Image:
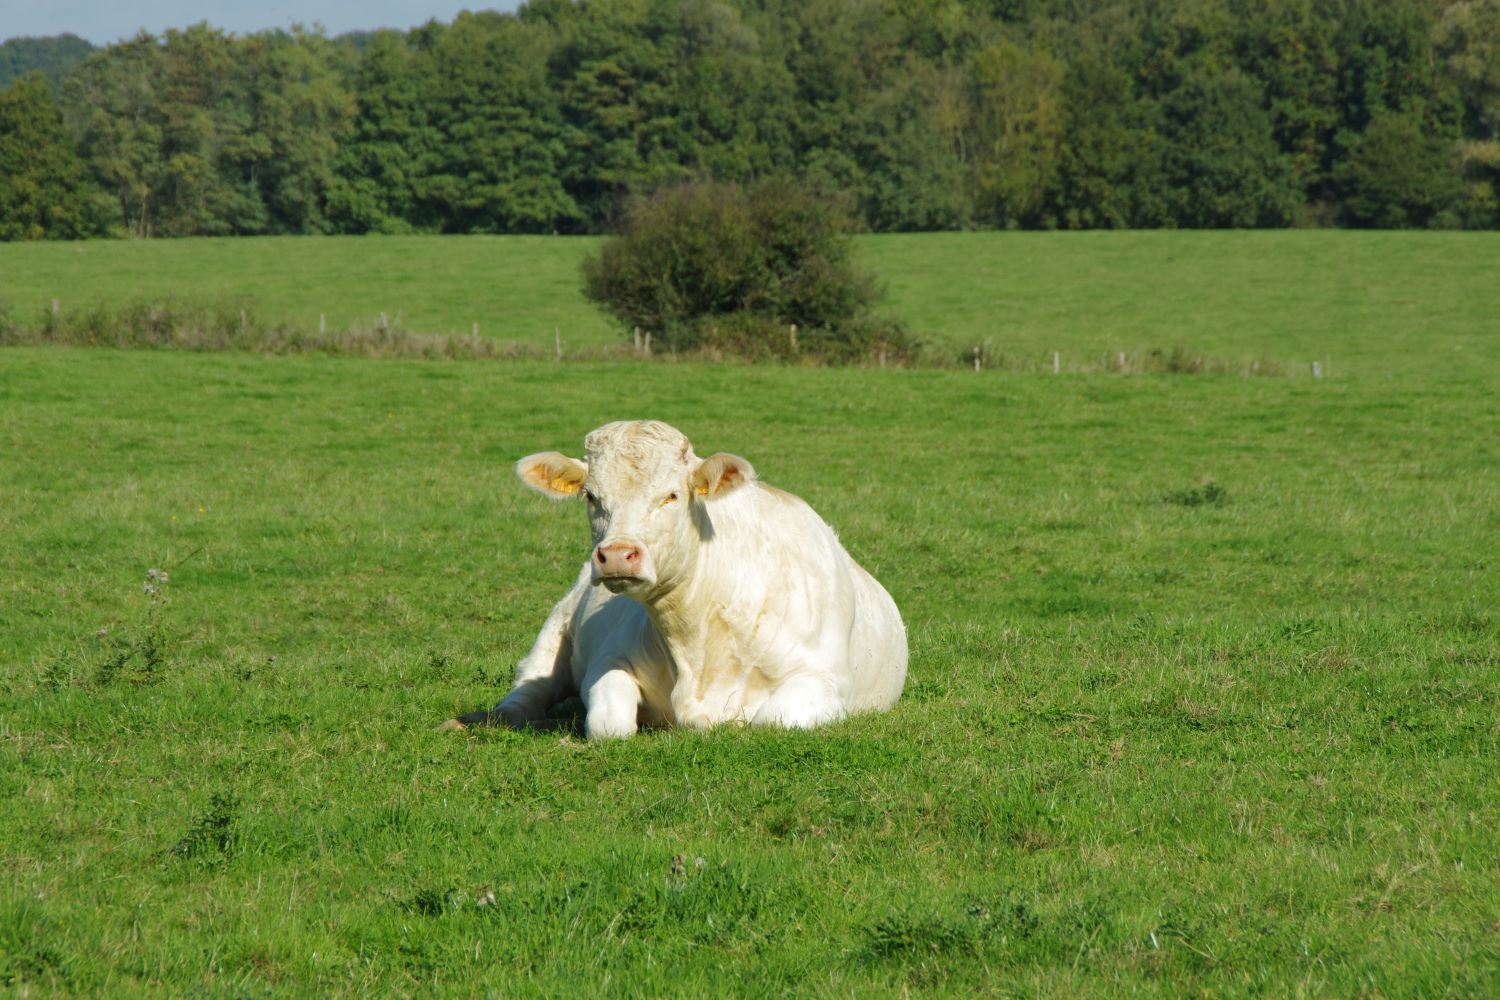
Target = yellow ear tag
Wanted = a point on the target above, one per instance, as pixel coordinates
(701, 489)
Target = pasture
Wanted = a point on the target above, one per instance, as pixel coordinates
(1371, 303)
(1203, 693)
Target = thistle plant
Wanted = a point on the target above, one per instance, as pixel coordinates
(143, 653)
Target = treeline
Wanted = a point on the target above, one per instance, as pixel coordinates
(924, 114)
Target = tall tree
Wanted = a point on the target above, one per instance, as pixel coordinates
(54, 57)
(1221, 163)
(44, 193)
(1466, 38)
(613, 67)
(390, 141)
(297, 112)
(1397, 175)
(1110, 167)
(733, 99)
(1017, 131)
(1289, 47)
(113, 104)
(498, 160)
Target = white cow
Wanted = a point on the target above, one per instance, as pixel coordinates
(708, 597)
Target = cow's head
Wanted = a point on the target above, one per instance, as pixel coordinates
(646, 492)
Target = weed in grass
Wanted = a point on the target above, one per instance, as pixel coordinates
(904, 935)
(135, 654)
(213, 836)
(430, 901)
(1209, 494)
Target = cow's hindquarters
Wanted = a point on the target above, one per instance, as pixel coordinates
(877, 648)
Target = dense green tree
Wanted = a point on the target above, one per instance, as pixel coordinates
(44, 192)
(114, 103)
(734, 105)
(1466, 40)
(54, 57)
(1289, 47)
(1016, 131)
(208, 145)
(390, 143)
(1110, 169)
(203, 133)
(1397, 175)
(497, 160)
(907, 174)
(613, 69)
(1220, 162)
(298, 111)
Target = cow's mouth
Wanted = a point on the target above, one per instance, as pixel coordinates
(620, 584)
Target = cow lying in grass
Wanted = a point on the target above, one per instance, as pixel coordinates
(709, 597)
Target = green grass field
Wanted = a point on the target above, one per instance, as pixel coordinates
(1369, 302)
(1204, 697)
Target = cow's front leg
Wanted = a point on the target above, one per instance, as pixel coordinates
(613, 703)
(800, 702)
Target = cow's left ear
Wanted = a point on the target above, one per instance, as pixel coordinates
(719, 475)
(552, 474)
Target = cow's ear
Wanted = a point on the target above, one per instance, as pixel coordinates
(719, 475)
(552, 474)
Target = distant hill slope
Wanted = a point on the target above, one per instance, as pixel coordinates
(55, 56)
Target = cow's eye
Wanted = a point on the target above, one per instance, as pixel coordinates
(670, 498)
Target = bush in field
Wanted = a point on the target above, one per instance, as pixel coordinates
(712, 266)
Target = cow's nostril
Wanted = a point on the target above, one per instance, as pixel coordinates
(599, 555)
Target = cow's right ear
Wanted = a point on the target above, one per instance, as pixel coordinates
(552, 474)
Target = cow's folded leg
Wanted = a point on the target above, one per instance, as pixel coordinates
(613, 700)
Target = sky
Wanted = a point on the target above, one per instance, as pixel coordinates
(105, 21)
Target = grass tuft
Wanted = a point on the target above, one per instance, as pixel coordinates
(1210, 494)
(213, 835)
